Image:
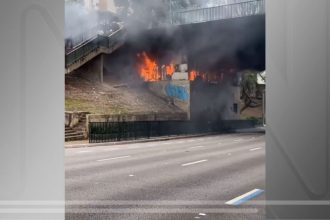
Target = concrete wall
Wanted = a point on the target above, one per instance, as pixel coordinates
(214, 101)
(175, 91)
(200, 100)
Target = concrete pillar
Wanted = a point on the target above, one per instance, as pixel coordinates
(101, 68)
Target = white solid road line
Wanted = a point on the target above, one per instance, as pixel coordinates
(114, 158)
(193, 163)
(245, 197)
(255, 149)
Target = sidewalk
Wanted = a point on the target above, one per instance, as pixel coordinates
(85, 143)
(260, 129)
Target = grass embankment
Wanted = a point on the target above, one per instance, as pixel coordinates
(75, 104)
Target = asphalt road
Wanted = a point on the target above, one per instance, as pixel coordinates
(167, 180)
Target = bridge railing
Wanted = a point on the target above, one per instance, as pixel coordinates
(234, 10)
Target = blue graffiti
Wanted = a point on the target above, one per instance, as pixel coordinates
(178, 92)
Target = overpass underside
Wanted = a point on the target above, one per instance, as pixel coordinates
(237, 43)
(218, 49)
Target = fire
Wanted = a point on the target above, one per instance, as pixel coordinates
(170, 69)
(150, 71)
(206, 77)
(192, 75)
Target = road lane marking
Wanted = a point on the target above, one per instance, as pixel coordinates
(114, 158)
(193, 163)
(255, 149)
(112, 149)
(197, 147)
(84, 151)
(238, 140)
(245, 197)
(134, 147)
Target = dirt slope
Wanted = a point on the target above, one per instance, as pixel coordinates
(112, 98)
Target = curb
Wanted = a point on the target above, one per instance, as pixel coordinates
(87, 145)
(137, 141)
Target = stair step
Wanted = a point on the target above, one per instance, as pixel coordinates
(75, 138)
(73, 133)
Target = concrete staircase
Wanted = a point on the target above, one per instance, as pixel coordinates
(73, 134)
(88, 50)
(78, 131)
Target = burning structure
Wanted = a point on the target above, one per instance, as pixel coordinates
(201, 95)
(195, 67)
(197, 70)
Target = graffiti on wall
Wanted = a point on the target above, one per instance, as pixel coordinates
(178, 92)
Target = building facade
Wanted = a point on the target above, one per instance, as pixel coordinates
(100, 5)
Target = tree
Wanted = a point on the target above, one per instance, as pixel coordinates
(249, 86)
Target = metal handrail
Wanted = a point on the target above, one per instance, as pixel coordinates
(223, 5)
(233, 10)
(95, 43)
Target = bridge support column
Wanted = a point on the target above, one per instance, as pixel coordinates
(101, 68)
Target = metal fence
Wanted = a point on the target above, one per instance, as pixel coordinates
(235, 10)
(100, 132)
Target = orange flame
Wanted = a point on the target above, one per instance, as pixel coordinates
(170, 69)
(148, 69)
(192, 75)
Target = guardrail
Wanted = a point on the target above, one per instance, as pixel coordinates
(235, 10)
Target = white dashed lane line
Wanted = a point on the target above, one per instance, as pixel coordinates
(255, 149)
(196, 147)
(238, 140)
(114, 158)
(111, 149)
(84, 152)
(193, 163)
